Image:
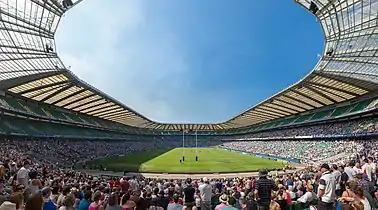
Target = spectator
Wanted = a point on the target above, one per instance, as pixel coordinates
(231, 204)
(113, 203)
(97, 203)
(357, 194)
(308, 197)
(189, 192)
(68, 203)
(263, 191)
(327, 188)
(34, 202)
(366, 169)
(86, 202)
(350, 171)
(65, 191)
(223, 199)
(155, 205)
(206, 192)
(337, 174)
(48, 204)
(175, 205)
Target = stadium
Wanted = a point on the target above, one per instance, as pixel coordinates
(57, 120)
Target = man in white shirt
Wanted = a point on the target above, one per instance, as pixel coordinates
(206, 192)
(350, 171)
(366, 169)
(23, 179)
(134, 184)
(23, 175)
(326, 189)
(357, 168)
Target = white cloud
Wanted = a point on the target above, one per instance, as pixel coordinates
(109, 46)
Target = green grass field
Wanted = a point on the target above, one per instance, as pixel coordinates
(211, 160)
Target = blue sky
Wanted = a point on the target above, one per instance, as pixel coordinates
(189, 61)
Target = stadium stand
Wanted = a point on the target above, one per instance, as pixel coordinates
(50, 120)
(12, 105)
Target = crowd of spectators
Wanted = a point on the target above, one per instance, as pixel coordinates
(338, 128)
(31, 178)
(34, 175)
(67, 152)
(334, 151)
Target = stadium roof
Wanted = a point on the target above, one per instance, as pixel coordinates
(30, 66)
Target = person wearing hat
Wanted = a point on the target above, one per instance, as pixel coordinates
(223, 199)
(231, 204)
(263, 190)
(326, 189)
